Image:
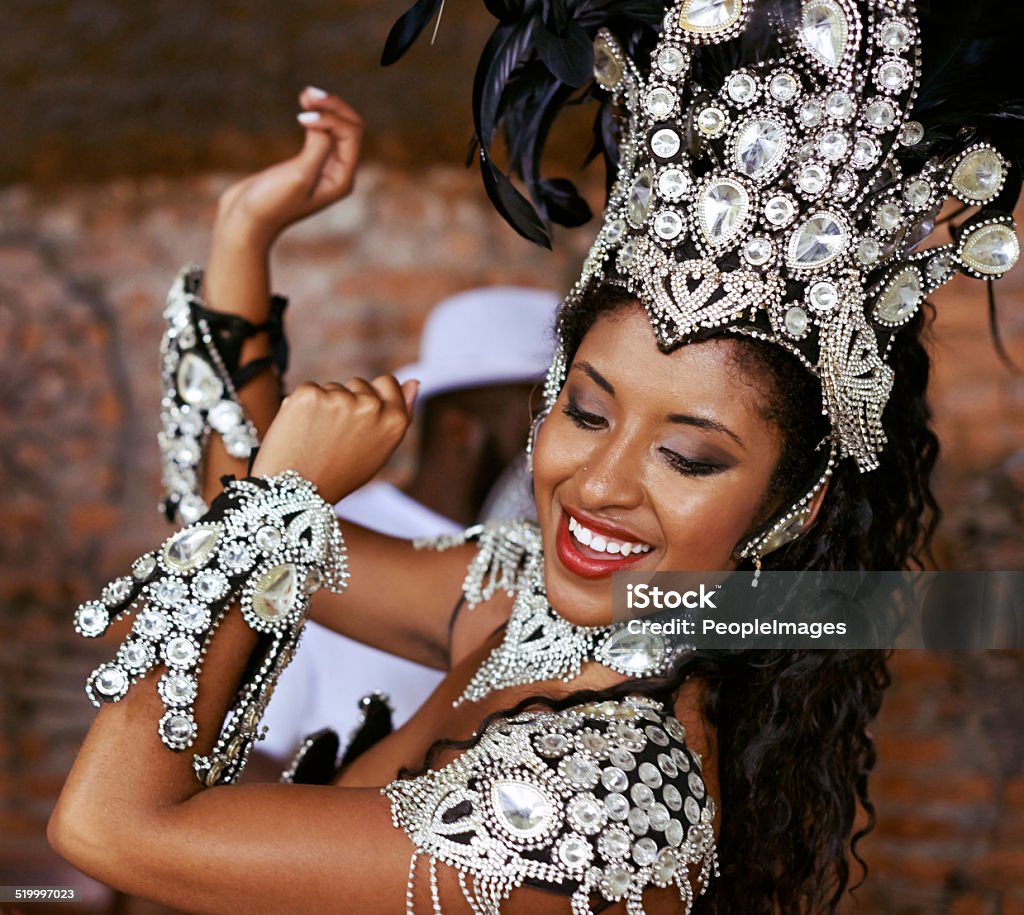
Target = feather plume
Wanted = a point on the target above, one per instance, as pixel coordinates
(539, 59)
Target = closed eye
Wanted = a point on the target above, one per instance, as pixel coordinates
(582, 419)
(689, 467)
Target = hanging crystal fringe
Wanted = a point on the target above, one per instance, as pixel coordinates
(503, 549)
(267, 544)
(198, 396)
(539, 644)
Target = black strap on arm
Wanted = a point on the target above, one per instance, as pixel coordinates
(231, 331)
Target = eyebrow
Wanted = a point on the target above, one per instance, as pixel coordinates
(702, 422)
(683, 419)
(596, 376)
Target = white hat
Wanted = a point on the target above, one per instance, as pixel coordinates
(496, 335)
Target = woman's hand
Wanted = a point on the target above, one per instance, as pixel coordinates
(338, 435)
(258, 208)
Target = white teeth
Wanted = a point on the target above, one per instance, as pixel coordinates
(605, 544)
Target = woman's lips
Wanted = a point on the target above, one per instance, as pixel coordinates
(585, 562)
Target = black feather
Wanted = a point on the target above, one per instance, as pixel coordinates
(562, 202)
(971, 87)
(539, 59)
(506, 10)
(404, 32)
(512, 205)
(568, 56)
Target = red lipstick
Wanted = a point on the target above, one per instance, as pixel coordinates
(586, 566)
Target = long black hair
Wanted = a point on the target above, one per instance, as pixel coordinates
(792, 726)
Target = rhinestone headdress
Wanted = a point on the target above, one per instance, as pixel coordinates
(776, 205)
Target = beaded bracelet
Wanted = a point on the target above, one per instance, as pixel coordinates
(266, 544)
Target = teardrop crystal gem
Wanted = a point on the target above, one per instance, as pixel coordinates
(708, 17)
(639, 203)
(607, 69)
(824, 31)
(900, 298)
(525, 809)
(796, 321)
(634, 652)
(197, 382)
(760, 144)
(191, 548)
(723, 210)
(979, 176)
(818, 241)
(275, 593)
(991, 250)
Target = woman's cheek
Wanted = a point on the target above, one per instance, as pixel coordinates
(703, 523)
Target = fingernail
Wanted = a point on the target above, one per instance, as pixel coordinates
(316, 92)
(308, 117)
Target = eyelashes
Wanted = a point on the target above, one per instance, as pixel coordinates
(592, 422)
(581, 418)
(689, 467)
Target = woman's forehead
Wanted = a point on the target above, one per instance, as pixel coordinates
(621, 346)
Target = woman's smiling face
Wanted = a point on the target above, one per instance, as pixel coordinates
(648, 461)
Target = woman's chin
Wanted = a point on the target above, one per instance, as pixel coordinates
(582, 603)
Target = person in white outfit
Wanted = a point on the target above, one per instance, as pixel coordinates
(482, 353)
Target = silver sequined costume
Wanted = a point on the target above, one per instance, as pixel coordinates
(597, 801)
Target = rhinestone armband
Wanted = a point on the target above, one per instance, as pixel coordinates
(200, 393)
(266, 544)
(599, 800)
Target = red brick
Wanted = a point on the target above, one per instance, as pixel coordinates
(913, 751)
(1000, 870)
(972, 905)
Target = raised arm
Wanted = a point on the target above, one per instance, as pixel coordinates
(251, 215)
(402, 600)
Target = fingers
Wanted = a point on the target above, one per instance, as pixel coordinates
(410, 391)
(334, 135)
(313, 99)
(384, 389)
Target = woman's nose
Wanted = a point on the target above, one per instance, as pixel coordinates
(610, 476)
